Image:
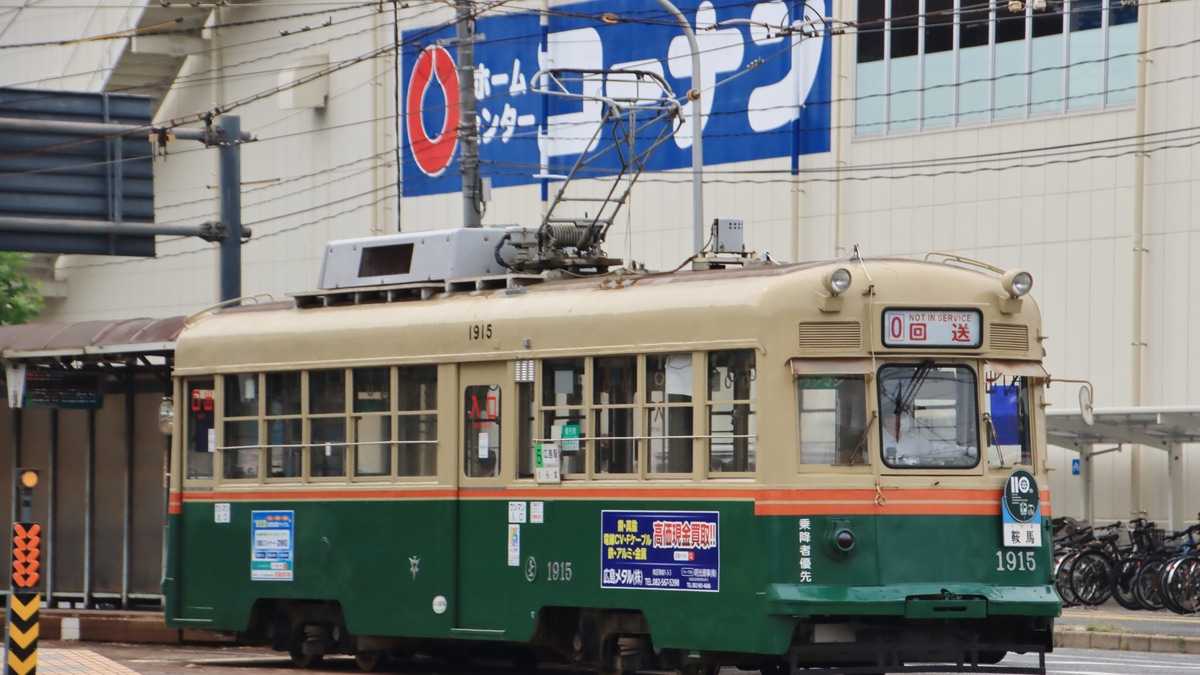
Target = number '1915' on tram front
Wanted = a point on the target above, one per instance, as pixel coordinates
(818, 465)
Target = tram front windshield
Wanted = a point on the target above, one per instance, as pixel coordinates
(928, 415)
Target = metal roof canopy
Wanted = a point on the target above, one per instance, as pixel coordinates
(1166, 428)
(84, 339)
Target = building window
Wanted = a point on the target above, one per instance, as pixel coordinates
(929, 64)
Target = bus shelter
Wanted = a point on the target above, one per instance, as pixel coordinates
(1167, 428)
(84, 401)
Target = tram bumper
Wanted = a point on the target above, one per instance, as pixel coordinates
(961, 627)
(913, 601)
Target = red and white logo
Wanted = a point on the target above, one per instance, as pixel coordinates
(432, 152)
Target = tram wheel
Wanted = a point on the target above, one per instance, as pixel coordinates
(698, 668)
(302, 660)
(368, 661)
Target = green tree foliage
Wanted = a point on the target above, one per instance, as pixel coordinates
(20, 298)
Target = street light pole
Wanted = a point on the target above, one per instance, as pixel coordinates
(693, 95)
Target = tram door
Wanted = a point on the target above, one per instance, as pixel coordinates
(485, 462)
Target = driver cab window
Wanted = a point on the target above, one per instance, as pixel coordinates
(1006, 421)
(928, 415)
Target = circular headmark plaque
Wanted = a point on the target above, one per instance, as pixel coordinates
(1021, 498)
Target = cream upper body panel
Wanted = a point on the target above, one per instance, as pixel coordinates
(762, 307)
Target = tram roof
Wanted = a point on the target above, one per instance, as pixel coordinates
(97, 339)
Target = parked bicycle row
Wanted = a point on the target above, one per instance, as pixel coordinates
(1139, 565)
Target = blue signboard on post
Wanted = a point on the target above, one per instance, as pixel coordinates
(764, 88)
(660, 550)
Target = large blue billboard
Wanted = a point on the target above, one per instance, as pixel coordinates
(765, 92)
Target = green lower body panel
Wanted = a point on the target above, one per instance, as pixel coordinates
(691, 574)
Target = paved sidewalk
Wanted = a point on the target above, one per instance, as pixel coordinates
(78, 661)
(1075, 638)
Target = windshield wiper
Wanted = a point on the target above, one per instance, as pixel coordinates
(862, 439)
(993, 439)
(906, 393)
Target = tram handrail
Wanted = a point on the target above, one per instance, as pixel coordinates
(964, 260)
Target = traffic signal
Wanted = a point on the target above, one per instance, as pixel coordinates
(26, 535)
(27, 479)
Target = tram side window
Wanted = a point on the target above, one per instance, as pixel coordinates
(240, 445)
(669, 413)
(833, 419)
(200, 442)
(614, 391)
(1008, 438)
(417, 399)
(327, 423)
(731, 410)
(481, 436)
(285, 427)
(563, 418)
(371, 401)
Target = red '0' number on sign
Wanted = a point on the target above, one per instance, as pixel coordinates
(896, 328)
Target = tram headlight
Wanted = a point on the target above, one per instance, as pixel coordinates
(837, 280)
(1017, 282)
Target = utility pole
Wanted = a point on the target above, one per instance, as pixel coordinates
(693, 95)
(229, 138)
(468, 129)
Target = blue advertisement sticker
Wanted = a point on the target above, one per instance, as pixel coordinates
(660, 550)
(273, 545)
(764, 88)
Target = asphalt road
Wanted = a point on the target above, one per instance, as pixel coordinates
(128, 659)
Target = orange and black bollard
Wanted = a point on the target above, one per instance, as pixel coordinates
(24, 601)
